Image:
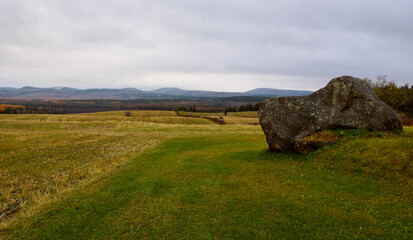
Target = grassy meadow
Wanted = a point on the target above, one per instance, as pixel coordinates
(155, 175)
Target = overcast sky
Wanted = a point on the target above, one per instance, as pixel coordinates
(224, 45)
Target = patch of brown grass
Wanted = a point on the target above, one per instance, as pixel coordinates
(324, 136)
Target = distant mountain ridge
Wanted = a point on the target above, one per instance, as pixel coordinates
(133, 93)
(276, 92)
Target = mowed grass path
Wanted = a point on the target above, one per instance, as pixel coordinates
(43, 155)
(220, 182)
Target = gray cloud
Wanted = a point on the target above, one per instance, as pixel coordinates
(217, 45)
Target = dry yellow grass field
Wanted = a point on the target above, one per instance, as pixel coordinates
(44, 155)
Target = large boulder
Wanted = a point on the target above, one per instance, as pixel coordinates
(346, 102)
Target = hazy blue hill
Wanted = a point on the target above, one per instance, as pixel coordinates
(28, 88)
(169, 91)
(64, 88)
(133, 93)
(131, 89)
(211, 94)
(107, 93)
(271, 92)
(6, 88)
(178, 92)
(194, 93)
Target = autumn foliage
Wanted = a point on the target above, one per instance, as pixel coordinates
(6, 108)
(398, 97)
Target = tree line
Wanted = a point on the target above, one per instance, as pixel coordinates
(400, 98)
(7, 108)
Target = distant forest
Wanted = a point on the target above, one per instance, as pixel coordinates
(61, 106)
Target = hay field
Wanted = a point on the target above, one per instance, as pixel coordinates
(154, 175)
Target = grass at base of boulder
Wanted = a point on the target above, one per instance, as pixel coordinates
(324, 136)
(343, 134)
(381, 155)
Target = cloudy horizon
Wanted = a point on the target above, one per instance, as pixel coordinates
(203, 45)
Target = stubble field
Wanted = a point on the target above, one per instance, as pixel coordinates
(154, 175)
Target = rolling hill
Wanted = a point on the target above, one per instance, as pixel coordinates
(133, 93)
